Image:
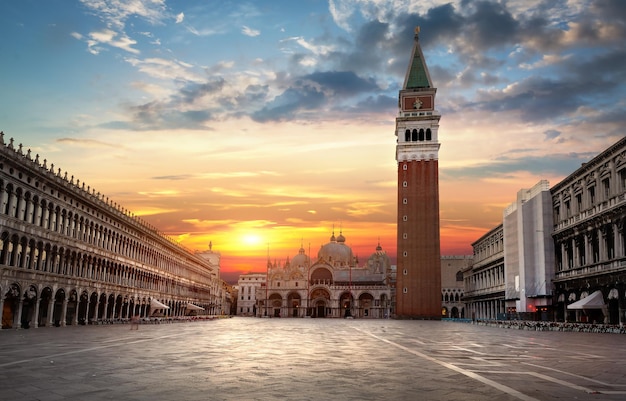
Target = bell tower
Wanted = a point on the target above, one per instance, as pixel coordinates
(418, 282)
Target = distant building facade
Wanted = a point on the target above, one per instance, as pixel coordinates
(557, 246)
(452, 285)
(248, 287)
(70, 256)
(332, 285)
(222, 289)
(484, 280)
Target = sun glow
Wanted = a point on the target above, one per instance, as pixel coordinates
(251, 239)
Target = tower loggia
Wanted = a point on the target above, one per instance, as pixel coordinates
(418, 286)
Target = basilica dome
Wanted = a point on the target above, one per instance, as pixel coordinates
(336, 252)
(379, 261)
(301, 259)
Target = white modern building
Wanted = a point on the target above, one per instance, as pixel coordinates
(529, 251)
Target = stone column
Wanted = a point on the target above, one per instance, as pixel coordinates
(106, 308)
(601, 245)
(1, 306)
(64, 312)
(29, 211)
(35, 322)
(4, 199)
(87, 309)
(51, 310)
(75, 320)
(588, 250)
(17, 319)
(617, 241)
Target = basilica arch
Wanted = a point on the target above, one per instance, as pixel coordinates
(294, 301)
(321, 276)
(275, 305)
(320, 303)
(366, 304)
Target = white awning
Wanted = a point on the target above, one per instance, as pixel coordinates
(193, 307)
(154, 304)
(593, 301)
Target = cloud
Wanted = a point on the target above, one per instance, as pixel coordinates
(552, 134)
(115, 12)
(194, 91)
(87, 143)
(250, 32)
(162, 116)
(181, 177)
(556, 164)
(289, 104)
(164, 192)
(342, 82)
(166, 69)
(316, 49)
(180, 17)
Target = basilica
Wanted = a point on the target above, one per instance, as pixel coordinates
(332, 285)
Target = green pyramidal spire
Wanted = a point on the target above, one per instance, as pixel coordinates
(417, 75)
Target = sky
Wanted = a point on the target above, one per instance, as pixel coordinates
(262, 126)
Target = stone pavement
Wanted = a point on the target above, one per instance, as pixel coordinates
(309, 359)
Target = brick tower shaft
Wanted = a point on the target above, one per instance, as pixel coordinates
(418, 284)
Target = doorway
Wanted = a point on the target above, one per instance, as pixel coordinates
(321, 310)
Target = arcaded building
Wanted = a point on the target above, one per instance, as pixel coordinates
(557, 246)
(484, 280)
(452, 285)
(332, 285)
(589, 212)
(69, 255)
(418, 287)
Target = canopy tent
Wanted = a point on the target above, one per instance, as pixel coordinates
(154, 304)
(593, 301)
(193, 307)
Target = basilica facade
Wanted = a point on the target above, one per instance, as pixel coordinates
(333, 284)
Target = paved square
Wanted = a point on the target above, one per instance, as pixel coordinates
(309, 359)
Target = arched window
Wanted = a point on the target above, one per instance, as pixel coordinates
(421, 134)
(429, 134)
(414, 136)
(407, 135)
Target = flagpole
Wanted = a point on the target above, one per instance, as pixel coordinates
(308, 284)
(267, 269)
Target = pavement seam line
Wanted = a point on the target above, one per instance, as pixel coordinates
(484, 380)
(78, 351)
